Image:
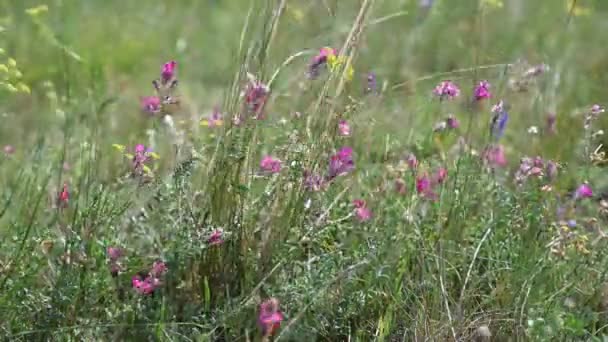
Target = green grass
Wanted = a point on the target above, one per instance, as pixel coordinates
(487, 253)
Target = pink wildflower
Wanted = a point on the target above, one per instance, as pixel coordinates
(270, 317)
(64, 196)
(446, 90)
(362, 212)
(344, 128)
(158, 269)
(114, 253)
(270, 164)
(495, 156)
(150, 104)
(423, 184)
(140, 158)
(412, 162)
(168, 71)
(8, 149)
(216, 238)
(215, 119)
(144, 285)
(482, 91)
(452, 122)
(583, 191)
(341, 163)
(313, 182)
(319, 60)
(256, 95)
(440, 176)
(400, 186)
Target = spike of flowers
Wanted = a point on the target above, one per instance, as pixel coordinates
(446, 90)
(141, 156)
(499, 120)
(270, 164)
(482, 91)
(164, 87)
(341, 163)
(270, 317)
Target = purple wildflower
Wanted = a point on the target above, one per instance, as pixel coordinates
(583, 191)
(256, 95)
(270, 164)
(499, 120)
(372, 84)
(482, 91)
(452, 122)
(446, 90)
(313, 182)
(341, 163)
(168, 71)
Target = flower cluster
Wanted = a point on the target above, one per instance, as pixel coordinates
(165, 87)
(446, 90)
(319, 61)
(256, 95)
(146, 283)
(535, 168)
(139, 159)
(426, 185)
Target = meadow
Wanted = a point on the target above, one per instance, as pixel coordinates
(303, 170)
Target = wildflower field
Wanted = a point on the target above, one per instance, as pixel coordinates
(303, 170)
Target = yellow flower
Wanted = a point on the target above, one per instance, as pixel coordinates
(35, 11)
(120, 148)
(22, 87)
(492, 3)
(336, 62)
(154, 155)
(577, 10)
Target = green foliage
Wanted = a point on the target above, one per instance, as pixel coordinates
(490, 248)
